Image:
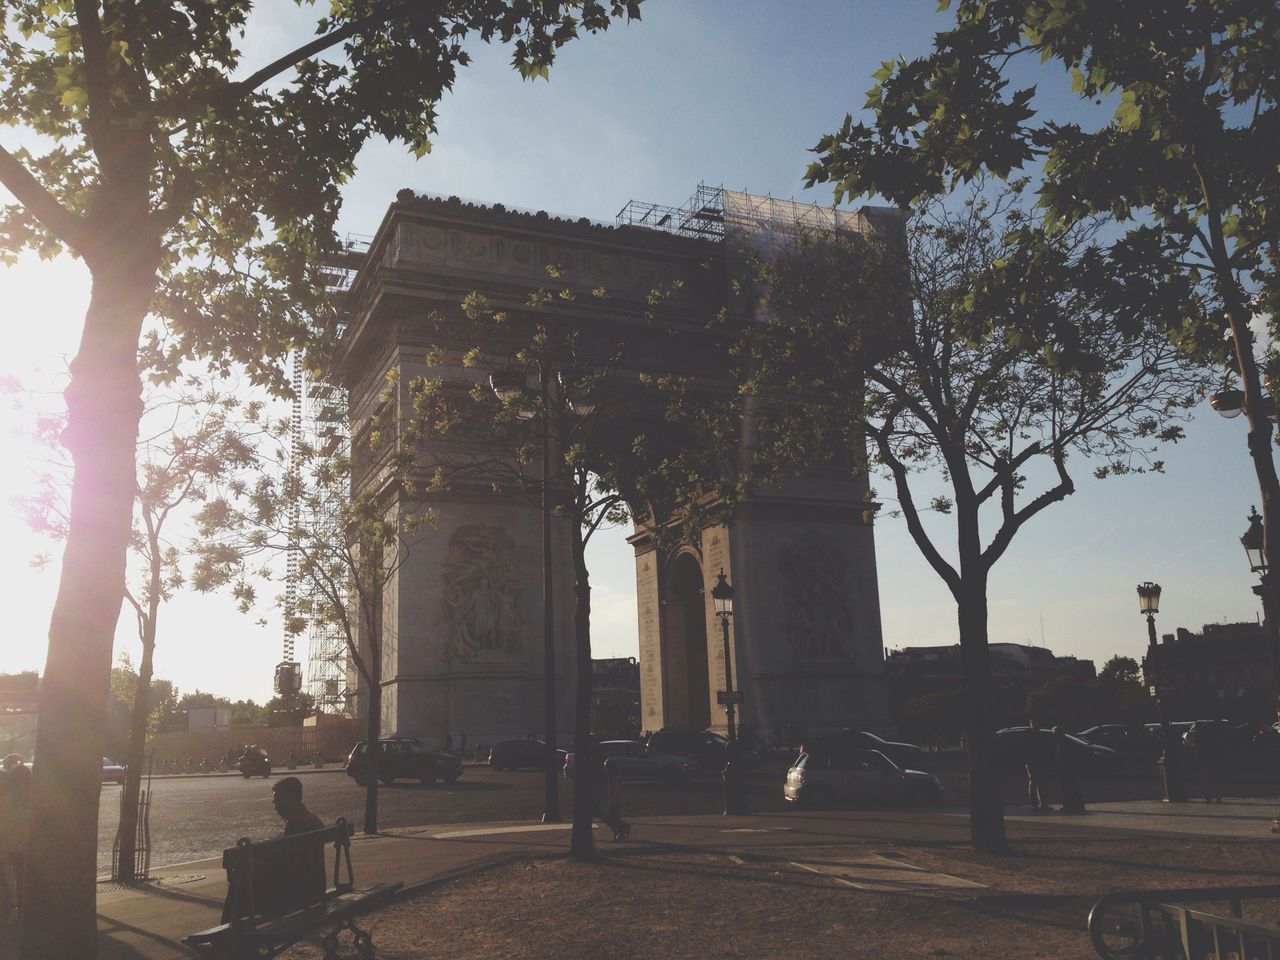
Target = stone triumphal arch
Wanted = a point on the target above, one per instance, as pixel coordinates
(463, 616)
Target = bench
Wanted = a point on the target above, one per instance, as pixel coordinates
(278, 893)
(1160, 924)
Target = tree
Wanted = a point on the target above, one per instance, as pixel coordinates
(289, 709)
(544, 442)
(348, 545)
(1185, 160)
(993, 352)
(197, 440)
(197, 188)
(247, 713)
(1121, 672)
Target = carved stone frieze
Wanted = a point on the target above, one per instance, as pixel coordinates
(819, 621)
(478, 585)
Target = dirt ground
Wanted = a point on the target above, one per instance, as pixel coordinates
(659, 904)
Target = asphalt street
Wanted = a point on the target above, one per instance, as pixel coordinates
(193, 818)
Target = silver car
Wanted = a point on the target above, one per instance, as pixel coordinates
(632, 760)
(820, 781)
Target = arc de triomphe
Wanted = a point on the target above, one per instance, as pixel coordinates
(462, 617)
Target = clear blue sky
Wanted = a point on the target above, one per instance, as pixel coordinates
(730, 92)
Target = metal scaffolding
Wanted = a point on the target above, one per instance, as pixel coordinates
(319, 428)
(714, 213)
(323, 425)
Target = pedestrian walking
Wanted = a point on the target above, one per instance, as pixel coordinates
(1035, 766)
(448, 741)
(1064, 761)
(462, 743)
(607, 796)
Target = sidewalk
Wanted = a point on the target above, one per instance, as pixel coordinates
(851, 850)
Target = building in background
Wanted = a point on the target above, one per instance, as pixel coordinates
(1222, 672)
(615, 697)
(216, 717)
(925, 686)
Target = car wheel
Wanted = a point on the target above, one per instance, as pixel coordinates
(362, 781)
(266, 773)
(245, 774)
(452, 778)
(818, 797)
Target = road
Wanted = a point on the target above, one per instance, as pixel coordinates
(196, 817)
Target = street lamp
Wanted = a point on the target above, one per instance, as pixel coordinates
(1170, 773)
(722, 594)
(1254, 542)
(509, 385)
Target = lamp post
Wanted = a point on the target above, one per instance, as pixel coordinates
(1264, 530)
(722, 594)
(1254, 543)
(509, 386)
(1170, 770)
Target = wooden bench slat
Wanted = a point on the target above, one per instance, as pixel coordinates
(274, 932)
(335, 909)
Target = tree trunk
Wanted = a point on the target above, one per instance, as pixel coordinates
(373, 734)
(137, 751)
(103, 408)
(582, 844)
(986, 805)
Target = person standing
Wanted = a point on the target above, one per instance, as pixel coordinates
(1035, 767)
(1206, 741)
(1064, 760)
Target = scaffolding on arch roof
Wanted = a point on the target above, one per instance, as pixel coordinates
(714, 213)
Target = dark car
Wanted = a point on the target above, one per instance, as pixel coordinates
(633, 760)
(848, 742)
(254, 762)
(1129, 739)
(514, 754)
(705, 748)
(402, 758)
(1016, 748)
(857, 776)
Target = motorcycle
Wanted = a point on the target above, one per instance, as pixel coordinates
(254, 763)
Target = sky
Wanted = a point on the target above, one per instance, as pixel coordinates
(726, 92)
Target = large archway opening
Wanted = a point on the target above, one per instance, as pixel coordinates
(688, 692)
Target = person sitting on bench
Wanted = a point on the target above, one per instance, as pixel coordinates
(282, 884)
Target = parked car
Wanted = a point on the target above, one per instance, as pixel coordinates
(633, 760)
(1235, 743)
(1014, 747)
(112, 772)
(1178, 728)
(1129, 739)
(514, 754)
(849, 743)
(820, 781)
(708, 750)
(254, 762)
(401, 758)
